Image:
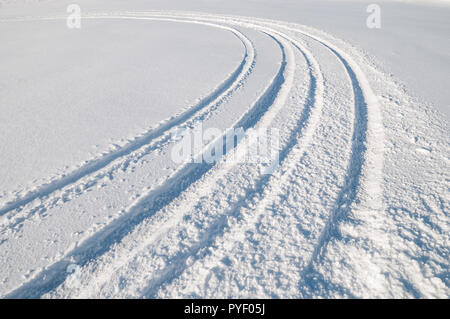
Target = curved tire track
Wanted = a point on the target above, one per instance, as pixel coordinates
(177, 264)
(362, 184)
(157, 198)
(212, 100)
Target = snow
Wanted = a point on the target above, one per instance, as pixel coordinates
(93, 205)
(54, 69)
(412, 43)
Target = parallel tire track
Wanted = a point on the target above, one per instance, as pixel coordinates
(160, 196)
(224, 91)
(362, 185)
(363, 181)
(305, 128)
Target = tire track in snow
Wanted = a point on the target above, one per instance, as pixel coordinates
(303, 132)
(176, 265)
(300, 140)
(121, 158)
(224, 91)
(362, 186)
(156, 198)
(362, 183)
(305, 127)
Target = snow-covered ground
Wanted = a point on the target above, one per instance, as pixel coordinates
(93, 204)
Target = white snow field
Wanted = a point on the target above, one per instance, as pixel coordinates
(93, 204)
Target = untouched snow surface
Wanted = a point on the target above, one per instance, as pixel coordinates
(92, 203)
